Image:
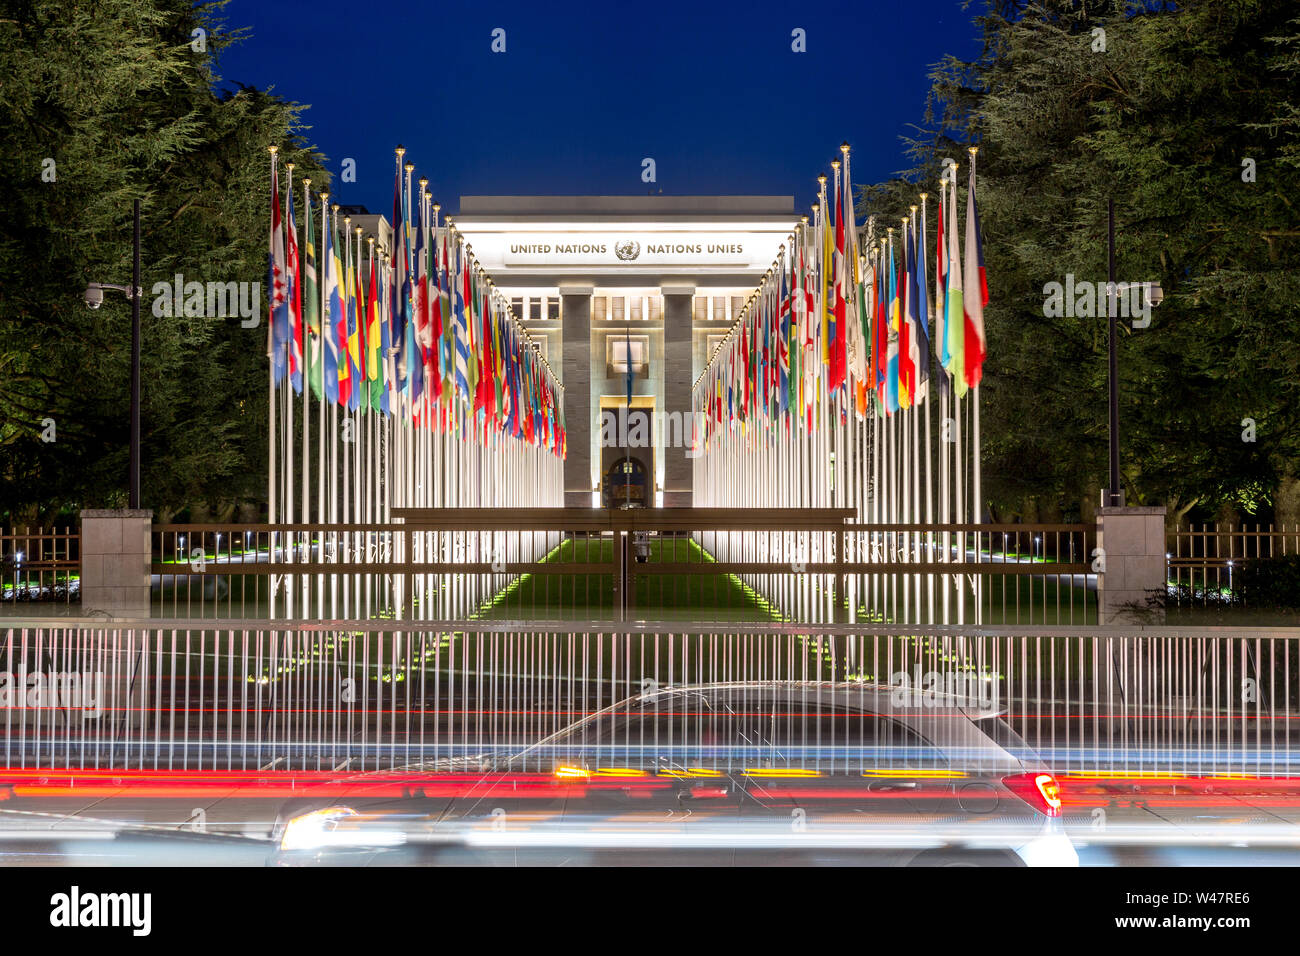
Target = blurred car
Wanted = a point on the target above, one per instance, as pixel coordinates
(744, 773)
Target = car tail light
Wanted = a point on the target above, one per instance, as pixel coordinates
(1039, 790)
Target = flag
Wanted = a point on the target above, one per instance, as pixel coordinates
(293, 267)
(400, 291)
(811, 325)
(954, 322)
(333, 309)
(975, 295)
(278, 337)
(880, 324)
(783, 339)
(311, 302)
(355, 304)
(374, 340)
(447, 327)
(433, 338)
(891, 361)
(906, 325)
(344, 323)
(837, 370)
(461, 284)
(918, 342)
(940, 282)
(418, 322)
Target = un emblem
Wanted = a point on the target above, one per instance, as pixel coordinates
(627, 249)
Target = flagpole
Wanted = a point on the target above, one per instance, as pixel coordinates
(288, 493)
(272, 475)
(305, 595)
(321, 459)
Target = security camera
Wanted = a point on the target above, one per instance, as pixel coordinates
(94, 295)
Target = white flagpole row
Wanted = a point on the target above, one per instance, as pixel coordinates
(493, 440)
(886, 465)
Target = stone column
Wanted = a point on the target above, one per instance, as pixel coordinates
(575, 314)
(115, 552)
(678, 327)
(1132, 543)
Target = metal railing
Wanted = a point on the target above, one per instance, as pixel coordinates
(1204, 563)
(589, 564)
(366, 695)
(40, 564)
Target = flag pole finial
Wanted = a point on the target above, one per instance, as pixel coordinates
(822, 179)
(306, 181)
(835, 165)
(400, 150)
(924, 197)
(273, 149)
(972, 150)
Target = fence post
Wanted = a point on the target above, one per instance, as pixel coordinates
(115, 558)
(1131, 542)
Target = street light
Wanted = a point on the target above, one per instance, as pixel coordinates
(1114, 495)
(94, 296)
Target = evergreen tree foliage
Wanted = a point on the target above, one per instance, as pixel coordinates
(121, 95)
(1160, 108)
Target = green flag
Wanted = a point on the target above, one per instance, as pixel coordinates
(311, 305)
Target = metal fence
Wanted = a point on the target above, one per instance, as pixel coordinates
(259, 696)
(1205, 562)
(40, 564)
(715, 565)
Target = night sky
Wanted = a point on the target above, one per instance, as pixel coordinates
(583, 93)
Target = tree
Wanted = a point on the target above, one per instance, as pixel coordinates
(1158, 111)
(120, 97)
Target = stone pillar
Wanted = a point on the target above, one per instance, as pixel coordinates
(575, 314)
(1132, 542)
(678, 353)
(115, 556)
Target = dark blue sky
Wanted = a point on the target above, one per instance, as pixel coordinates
(583, 93)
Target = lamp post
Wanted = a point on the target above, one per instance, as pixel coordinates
(94, 298)
(1153, 295)
(133, 491)
(1114, 495)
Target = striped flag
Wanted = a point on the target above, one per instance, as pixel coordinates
(954, 323)
(311, 301)
(277, 283)
(293, 272)
(460, 281)
(333, 309)
(976, 292)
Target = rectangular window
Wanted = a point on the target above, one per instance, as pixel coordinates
(599, 307)
(553, 308)
(700, 311)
